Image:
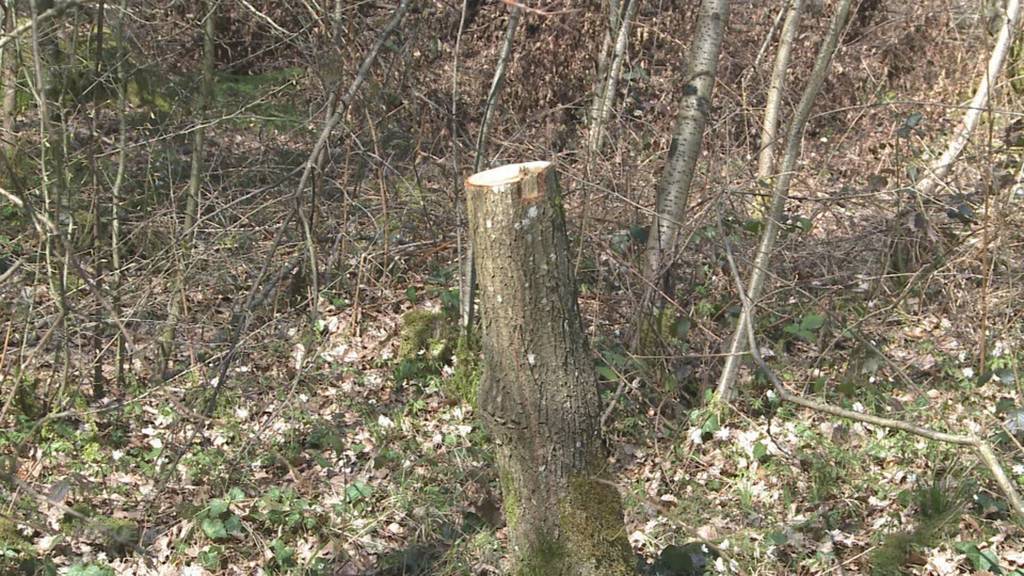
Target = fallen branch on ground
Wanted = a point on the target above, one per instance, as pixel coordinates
(983, 448)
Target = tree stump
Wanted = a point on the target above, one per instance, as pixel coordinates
(538, 395)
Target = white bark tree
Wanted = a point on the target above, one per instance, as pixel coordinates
(780, 192)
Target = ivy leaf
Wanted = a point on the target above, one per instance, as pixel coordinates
(760, 452)
(214, 528)
(233, 525)
(357, 491)
(218, 506)
(812, 322)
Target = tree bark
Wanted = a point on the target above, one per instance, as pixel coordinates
(46, 58)
(538, 396)
(467, 295)
(602, 107)
(765, 165)
(773, 101)
(115, 191)
(674, 193)
(780, 191)
(979, 103)
(98, 381)
(10, 78)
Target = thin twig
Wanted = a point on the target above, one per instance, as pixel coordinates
(45, 226)
(58, 9)
(10, 271)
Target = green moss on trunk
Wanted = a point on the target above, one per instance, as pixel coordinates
(591, 538)
(463, 383)
(591, 519)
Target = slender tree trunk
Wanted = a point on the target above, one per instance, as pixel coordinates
(98, 384)
(780, 192)
(605, 97)
(115, 191)
(10, 80)
(538, 397)
(680, 165)
(773, 101)
(44, 10)
(192, 200)
(603, 57)
(765, 163)
(45, 57)
(979, 103)
(467, 297)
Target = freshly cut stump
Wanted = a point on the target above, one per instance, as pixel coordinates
(538, 396)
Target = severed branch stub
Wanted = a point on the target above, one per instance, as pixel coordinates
(538, 395)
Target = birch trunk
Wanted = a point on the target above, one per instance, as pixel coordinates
(766, 162)
(538, 397)
(695, 106)
(10, 79)
(602, 107)
(780, 191)
(978, 104)
(773, 101)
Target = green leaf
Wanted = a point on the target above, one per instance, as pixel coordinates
(283, 555)
(681, 328)
(358, 491)
(233, 525)
(236, 494)
(617, 360)
(214, 528)
(979, 559)
(711, 425)
(805, 224)
(639, 234)
(1005, 406)
(217, 507)
(210, 558)
(799, 331)
(90, 570)
(992, 561)
(760, 451)
(812, 322)
(607, 374)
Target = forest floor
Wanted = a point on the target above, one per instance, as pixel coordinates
(318, 461)
(340, 440)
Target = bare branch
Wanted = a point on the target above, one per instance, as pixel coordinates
(984, 450)
(59, 8)
(979, 103)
